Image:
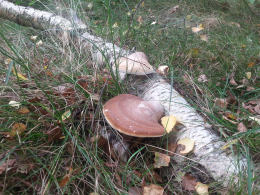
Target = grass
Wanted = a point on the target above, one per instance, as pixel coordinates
(52, 150)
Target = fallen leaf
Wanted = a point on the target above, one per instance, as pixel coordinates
(221, 102)
(248, 75)
(39, 43)
(23, 110)
(163, 70)
(230, 116)
(14, 104)
(202, 189)
(33, 38)
(17, 128)
(188, 182)
(228, 119)
(241, 127)
(54, 133)
(204, 38)
(161, 160)
(66, 115)
(140, 20)
(4, 167)
(188, 17)
(235, 24)
(168, 122)
(210, 22)
(173, 9)
(250, 64)
(7, 61)
(135, 191)
(203, 78)
(188, 144)
(153, 190)
(233, 82)
(197, 29)
(93, 193)
(115, 25)
(63, 182)
(230, 143)
(194, 52)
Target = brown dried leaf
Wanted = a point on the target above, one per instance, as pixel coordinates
(241, 127)
(204, 38)
(23, 110)
(135, 191)
(7, 165)
(161, 160)
(153, 190)
(54, 134)
(140, 20)
(17, 128)
(203, 78)
(233, 82)
(221, 102)
(188, 182)
(64, 180)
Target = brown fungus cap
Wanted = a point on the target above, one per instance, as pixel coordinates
(134, 116)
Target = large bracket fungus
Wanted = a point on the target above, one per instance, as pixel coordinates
(133, 116)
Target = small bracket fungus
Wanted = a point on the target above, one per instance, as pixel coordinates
(136, 63)
(134, 116)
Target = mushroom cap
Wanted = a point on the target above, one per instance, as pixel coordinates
(136, 63)
(133, 116)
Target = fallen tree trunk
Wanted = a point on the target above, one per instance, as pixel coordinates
(222, 166)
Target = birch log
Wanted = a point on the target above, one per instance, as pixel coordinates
(221, 165)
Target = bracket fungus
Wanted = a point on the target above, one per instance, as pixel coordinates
(136, 63)
(133, 116)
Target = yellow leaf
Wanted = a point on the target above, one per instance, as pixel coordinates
(168, 122)
(19, 75)
(194, 52)
(188, 17)
(161, 160)
(17, 128)
(251, 64)
(142, 4)
(197, 29)
(188, 144)
(248, 75)
(202, 189)
(66, 115)
(204, 38)
(230, 143)
(115, 25)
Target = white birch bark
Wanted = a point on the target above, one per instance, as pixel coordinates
(207, 152)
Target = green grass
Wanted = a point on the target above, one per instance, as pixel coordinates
(42, 160)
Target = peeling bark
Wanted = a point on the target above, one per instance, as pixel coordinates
(207, 152)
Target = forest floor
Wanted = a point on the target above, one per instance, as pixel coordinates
(51, 95)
